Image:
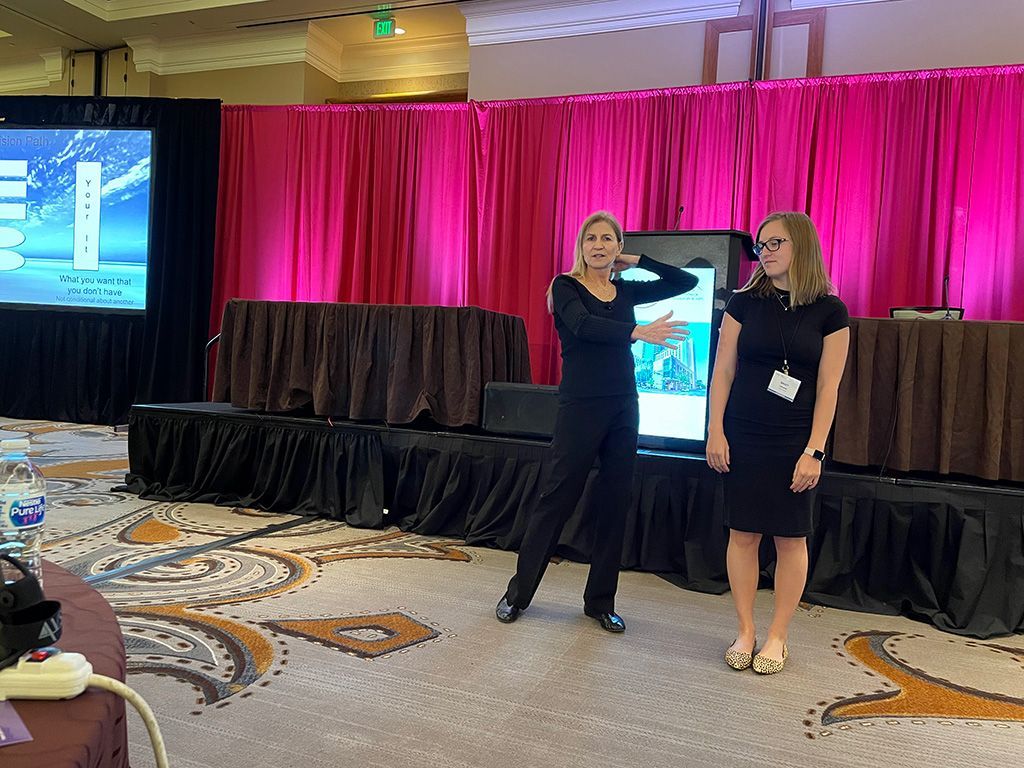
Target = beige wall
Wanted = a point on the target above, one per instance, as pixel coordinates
(923, 34)
(59, 88)
(272, 84)
(317, 87)
(864, 37)
(659, 57)
(364, 89)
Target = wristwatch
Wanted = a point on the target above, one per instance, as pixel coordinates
(814, 453)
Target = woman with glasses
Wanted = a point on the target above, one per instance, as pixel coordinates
(598, 413)
(781, 352)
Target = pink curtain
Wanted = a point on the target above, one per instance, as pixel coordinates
(516, 192)
(541, 166)
(911, 177)
(362, 204)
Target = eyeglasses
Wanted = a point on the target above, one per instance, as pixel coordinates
(771, 245)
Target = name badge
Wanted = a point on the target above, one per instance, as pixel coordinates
(784, 386)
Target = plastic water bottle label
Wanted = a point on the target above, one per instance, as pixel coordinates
(24, 513)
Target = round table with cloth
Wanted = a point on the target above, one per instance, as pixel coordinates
(89, 731)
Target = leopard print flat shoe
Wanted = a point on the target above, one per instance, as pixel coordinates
(738, 660)
(765, 666)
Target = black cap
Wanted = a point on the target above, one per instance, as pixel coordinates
(27, 619)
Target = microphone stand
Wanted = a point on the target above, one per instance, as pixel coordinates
(945, 298)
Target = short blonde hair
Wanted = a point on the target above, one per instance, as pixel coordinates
(808, 280)
(579, 264)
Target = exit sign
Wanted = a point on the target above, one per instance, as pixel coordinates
(384, 27)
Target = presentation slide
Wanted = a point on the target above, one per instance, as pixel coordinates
(74, 217)
(673, 383)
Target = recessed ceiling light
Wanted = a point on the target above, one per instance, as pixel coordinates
(399, 31)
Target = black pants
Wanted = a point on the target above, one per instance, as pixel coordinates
(585, 428)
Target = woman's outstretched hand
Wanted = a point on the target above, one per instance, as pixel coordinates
(661, 331)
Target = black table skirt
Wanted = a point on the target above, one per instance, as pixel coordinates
(950, 555)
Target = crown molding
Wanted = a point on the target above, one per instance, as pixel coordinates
(53, 63)
(379, 60)
(242, 48)
(799, 5)
(34, 74)
(324, 52)
(119, 10)
(489, 22)
(392, 59)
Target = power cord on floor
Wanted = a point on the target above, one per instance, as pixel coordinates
(126, 693)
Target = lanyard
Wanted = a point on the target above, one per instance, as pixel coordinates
(782, 337)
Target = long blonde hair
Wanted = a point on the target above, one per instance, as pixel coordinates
(808, 280)
(579, 264)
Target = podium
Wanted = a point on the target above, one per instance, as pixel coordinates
(723, 249)
(673, 383)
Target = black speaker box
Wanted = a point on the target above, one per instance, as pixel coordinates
(520, 409)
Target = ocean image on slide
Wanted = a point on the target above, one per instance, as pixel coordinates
(74, 217)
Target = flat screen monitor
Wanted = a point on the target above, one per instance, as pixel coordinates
(75, 217)
(673, 383)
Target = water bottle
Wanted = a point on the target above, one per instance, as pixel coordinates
(22, 509)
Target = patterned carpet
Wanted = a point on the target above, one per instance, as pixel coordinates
(264, 639)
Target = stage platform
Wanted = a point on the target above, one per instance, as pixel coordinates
(951, 553)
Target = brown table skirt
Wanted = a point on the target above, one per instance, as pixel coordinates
(938, 396)
(364, 361)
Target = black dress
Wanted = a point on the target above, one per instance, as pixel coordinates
(766, 433)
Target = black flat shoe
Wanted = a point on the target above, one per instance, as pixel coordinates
(507, 613)
(610, 622)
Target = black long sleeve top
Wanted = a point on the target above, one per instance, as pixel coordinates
(595, 334)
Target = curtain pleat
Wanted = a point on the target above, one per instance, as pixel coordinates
(913, 179)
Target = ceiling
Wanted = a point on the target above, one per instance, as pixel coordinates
(35, 25)
(169, 37)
